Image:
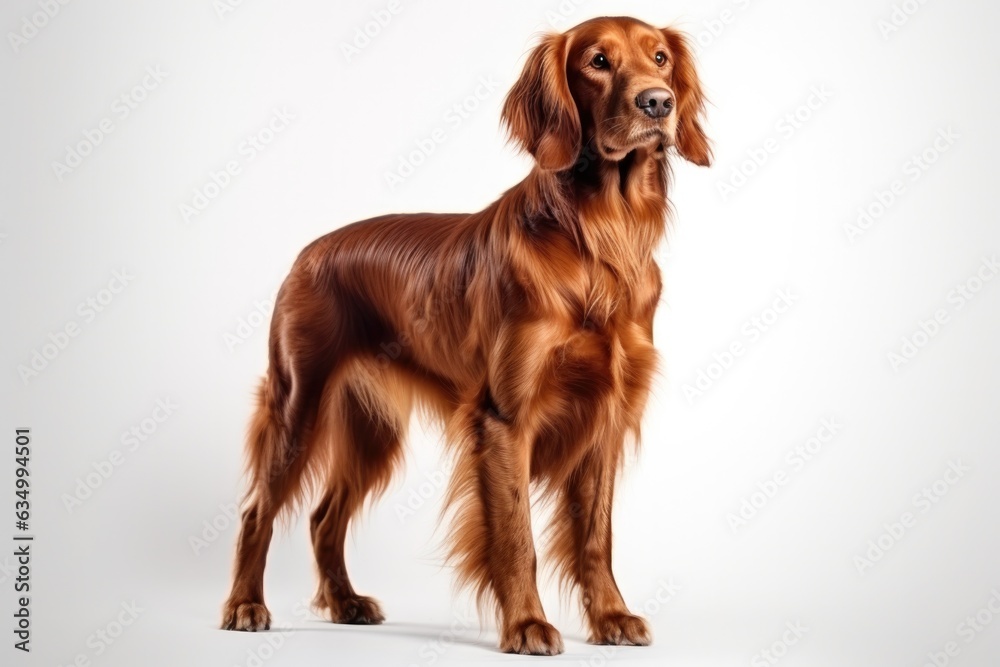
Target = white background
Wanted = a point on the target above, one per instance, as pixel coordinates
(169, 333)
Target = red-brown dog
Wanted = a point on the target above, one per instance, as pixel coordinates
(527, 328)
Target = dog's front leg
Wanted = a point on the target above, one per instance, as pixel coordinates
(493, 541)
(582, 548)
(504, 472)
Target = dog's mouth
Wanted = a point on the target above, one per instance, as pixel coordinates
(651, 137)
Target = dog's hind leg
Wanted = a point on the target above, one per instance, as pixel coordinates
(276, 481)
(280, 445)
(367, 423)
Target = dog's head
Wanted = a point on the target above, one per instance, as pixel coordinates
(618, 82)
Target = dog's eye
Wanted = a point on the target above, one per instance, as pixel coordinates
(660, 58)
(600, 61)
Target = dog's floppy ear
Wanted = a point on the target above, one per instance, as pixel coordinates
(691, 141)
(539, 111)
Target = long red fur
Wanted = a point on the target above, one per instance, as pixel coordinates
(526, 328)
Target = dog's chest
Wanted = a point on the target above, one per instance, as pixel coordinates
(562, 284)
(596, 336)
(589, 320)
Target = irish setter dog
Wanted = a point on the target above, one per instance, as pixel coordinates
(527, 328)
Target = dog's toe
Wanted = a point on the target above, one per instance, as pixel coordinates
(532, 638)
(356, 610)
(246, 617)
(622, 630)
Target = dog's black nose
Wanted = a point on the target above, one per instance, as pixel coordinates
(655, 102)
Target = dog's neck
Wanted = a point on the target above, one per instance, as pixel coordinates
(615, 212)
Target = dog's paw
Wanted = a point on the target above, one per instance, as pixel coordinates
(354, 610)
(532, 638)
(620, 629)
(246, 616)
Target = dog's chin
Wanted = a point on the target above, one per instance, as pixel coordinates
(653, 140)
